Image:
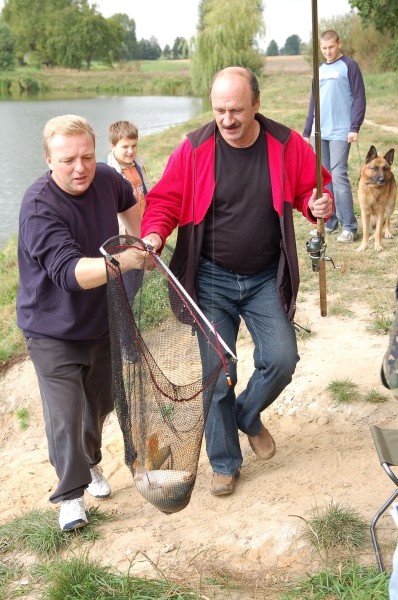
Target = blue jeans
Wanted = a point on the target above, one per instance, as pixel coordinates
(225, 297)
(335, 159)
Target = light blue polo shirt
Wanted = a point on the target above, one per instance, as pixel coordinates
(342, 100)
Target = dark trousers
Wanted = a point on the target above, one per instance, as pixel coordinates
(75, 382)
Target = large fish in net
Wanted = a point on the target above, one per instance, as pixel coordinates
(166, 359)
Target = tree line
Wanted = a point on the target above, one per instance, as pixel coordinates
(73, 34)
(293, 46)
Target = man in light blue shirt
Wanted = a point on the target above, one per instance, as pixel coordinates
(342, 111)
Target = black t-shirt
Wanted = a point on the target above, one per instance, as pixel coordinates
(242, 231)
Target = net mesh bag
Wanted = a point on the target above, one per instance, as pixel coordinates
(166, 358)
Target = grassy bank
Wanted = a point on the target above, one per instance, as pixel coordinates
(61, 566)
(140, 78)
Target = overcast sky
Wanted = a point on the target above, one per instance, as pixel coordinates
(168, 19)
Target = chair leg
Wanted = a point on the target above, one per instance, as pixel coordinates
(373, 529)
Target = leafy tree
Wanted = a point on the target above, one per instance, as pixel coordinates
(180, 48)
(62, 50)
(383, 15)
(227, 35)
(78, 34)
(96, 40)
(292, 46)
(124, 28)
(167, 52)
(60, 32)
(68, 33)
(272, 49)
(7, 48)
(28, 20)
(148, 49)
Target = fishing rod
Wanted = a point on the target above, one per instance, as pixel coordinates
(316, 245)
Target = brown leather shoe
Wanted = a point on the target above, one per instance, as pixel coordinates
(221, 485)
(263, 444)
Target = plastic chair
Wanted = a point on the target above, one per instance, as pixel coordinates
(386, 442)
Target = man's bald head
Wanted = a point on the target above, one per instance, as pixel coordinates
(243, 72)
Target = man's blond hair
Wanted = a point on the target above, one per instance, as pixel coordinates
(66, 125)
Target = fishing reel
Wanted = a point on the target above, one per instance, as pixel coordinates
(316, 248)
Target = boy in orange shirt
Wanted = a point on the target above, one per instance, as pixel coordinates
(123, 142)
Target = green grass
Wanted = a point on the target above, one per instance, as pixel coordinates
(64, 569)
(38, 531)
(375, 397)
(59, 575)
(165, 66)
(86, 579)
(151, 303)
(339, 309)
(12, 343)
(9, 571)
(336, 530)
(344, 390)
(382, 322)
(354, 582)
(147, 78)
(23, 418)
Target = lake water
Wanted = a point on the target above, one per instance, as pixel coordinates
(21, 129)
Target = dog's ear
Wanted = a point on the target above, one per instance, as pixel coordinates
(372, 153)
(390, 156)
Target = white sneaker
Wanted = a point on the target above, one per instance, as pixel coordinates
(72, 514)
(346, 237)
(99, 487)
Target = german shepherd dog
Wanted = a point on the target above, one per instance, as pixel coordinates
(377, 195)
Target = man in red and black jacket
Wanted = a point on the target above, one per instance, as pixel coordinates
(231, 187)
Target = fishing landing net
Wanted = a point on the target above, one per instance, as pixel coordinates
(166, 358)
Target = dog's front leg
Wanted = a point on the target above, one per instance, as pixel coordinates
(365, 218)
(387, 230)
(379, 229)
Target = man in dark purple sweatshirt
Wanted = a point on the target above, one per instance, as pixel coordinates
(65, 217)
